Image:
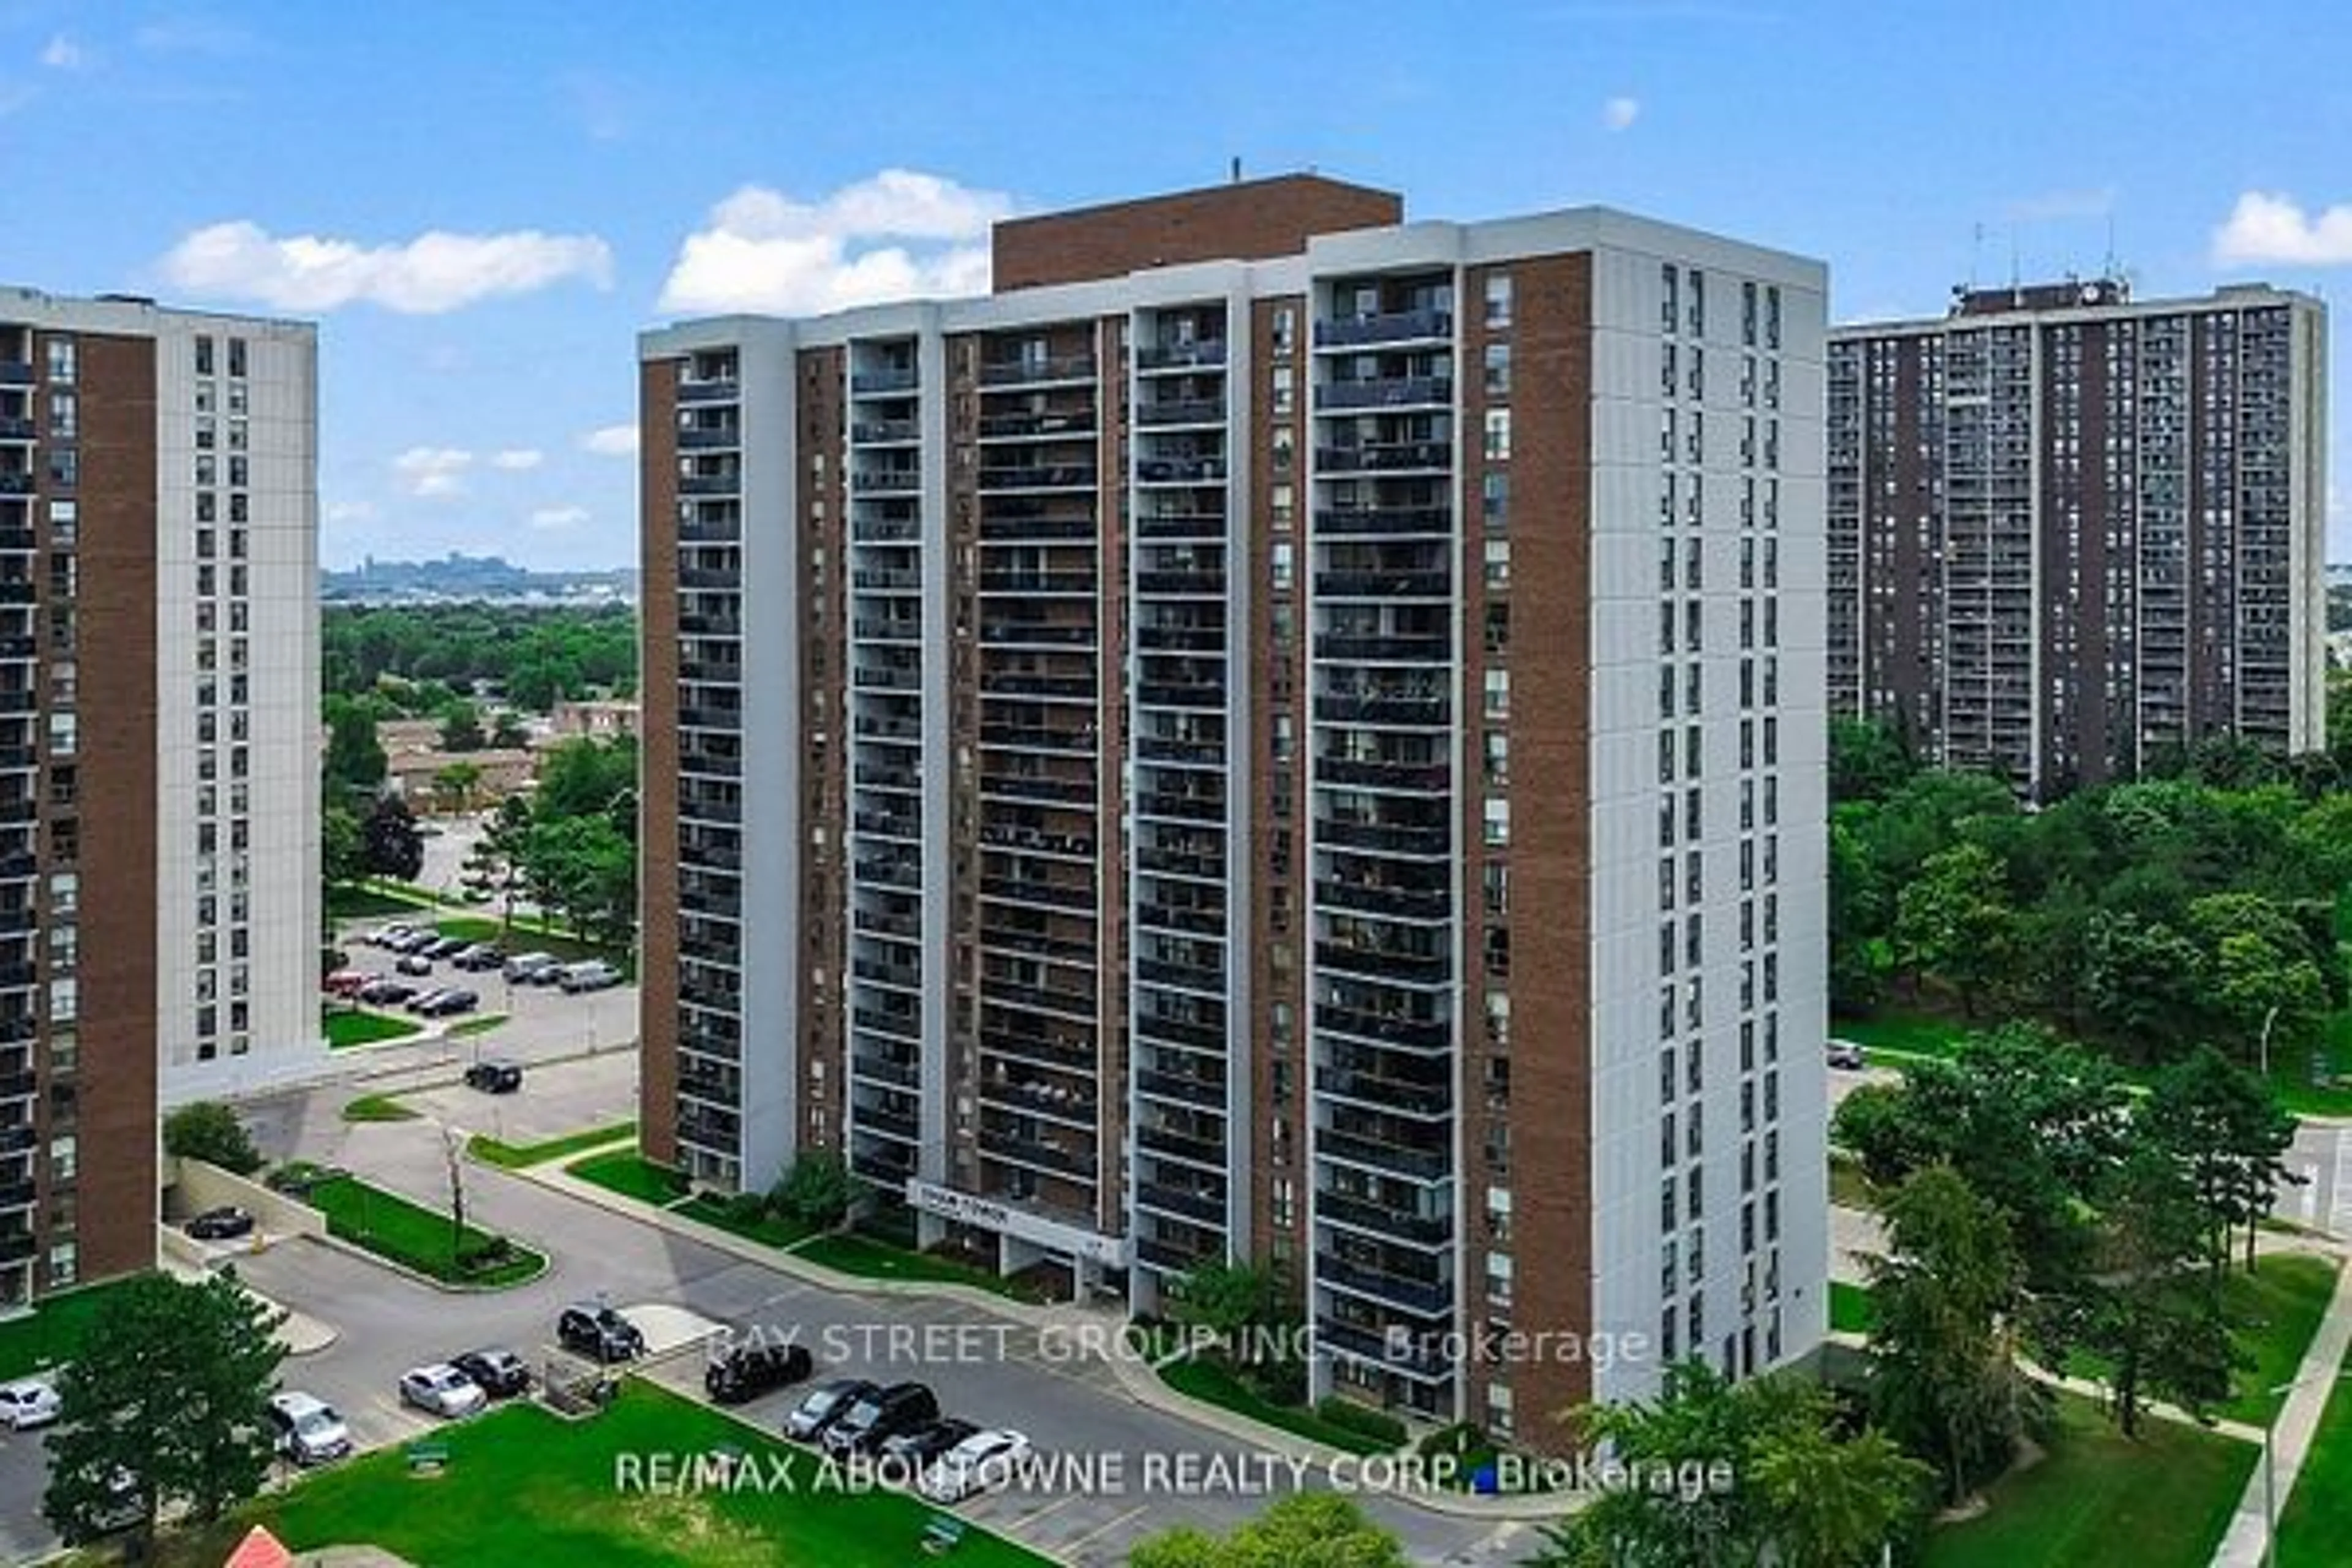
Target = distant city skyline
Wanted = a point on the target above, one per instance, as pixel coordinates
(479, 273)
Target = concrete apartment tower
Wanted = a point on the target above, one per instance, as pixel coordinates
(2071, 532)
(1280, 733)
(159, 754)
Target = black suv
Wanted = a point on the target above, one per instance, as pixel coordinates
(749, 1370)
(501, 1374)
(600, 1333)
(495, 1077)
(901, 1407)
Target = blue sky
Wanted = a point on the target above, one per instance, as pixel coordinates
(482, 203)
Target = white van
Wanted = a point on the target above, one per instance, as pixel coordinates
(592, 975)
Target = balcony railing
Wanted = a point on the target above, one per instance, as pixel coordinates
(1388, 392)
(1387, 458)
(1181, 411)
(1030, 372)
(1394, 326)
(726, 391)
(1420, 1164)
(1179, 356)
(1385, 519)
(1195, 1202)
(883, 379)
(1364, 1214)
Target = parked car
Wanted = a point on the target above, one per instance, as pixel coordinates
(28, 1403)
(444, 1003)
(549, 973)
(309, 1430)
(496, 1075)
(599, 1332)
(917, 1447)
(414, 963)
(752, 1369)
(475, 959)
(823, 1406)
(500, 1373)
(387, 992)
(977, 1463)
(418, 1003)
(441, 1390)
(346, 982)
(385, 935)
(881, 1416)
(1845, 1054)
(594, 975)
(446, 947)
(523, 967)
(225, 1224)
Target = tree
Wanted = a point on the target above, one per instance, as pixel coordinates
(2143, 981)
(581, 776)
(2224, 1127)
(1955, 922)
(581, 867)
(1308, 1529)
(355, 761)
(1944, 1376)
(1858, 913)
(2147, 1312)
(1804, 1490)
(509, 731)
(1233, 1301)
(501, 848)
(816, 1191)
(208, 1131)
(461, 726)
(1868, 761)
(175, 1403)
(394, 848)
(343, 848)
(454, 786)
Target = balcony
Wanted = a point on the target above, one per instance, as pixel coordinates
(1411, 903)
(1384, 457)
(728, 390)
(1052, 791)
(885, 481)
(1188, 1089)
(1200, 523)
(16, 1246)
(1393, 1094)
(880, 379)
(1044, 1153)
(709, 484)
(1179, 470)
(1181, 918)
(1361, 1213)
(1037, 371)
(884, 431)
(1013, 993)
(1425, 585)
(1391, 1158)
(1020, 521)
(1202, 1203)
(1206, 978)
(1374, 963)
(698, 438)
(877, 1119)
(1391, 647)
(1406, 774)
(1168, 1028)
(1177, 1144)
(1181, 411)
(903, 1072)
(1389, 391)
(15, 373)
(1043, 1052)
(16, 482)
(1352, 708)
(1386, 838)
(1015, 426)
(1386, 1029)
(1385, 519)
(1388, 327)
(1197, 584)
(1417, 1294)
(1039, 476)
(1037, 583)
(1180, 356)
(1366, 1345)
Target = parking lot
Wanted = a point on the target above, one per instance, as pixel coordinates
(543, 1021)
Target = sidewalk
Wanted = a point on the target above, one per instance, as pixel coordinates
(2292, 1432)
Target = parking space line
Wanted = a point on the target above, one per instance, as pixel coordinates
(1065, 1549)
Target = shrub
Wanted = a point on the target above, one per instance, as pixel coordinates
(816, 1191)
(208, 1131)
(746, 1208)
(1348, 1415)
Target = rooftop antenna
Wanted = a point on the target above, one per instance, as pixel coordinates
(2013, 274)
(2109, 267)
(1237, 169)
(1975, 254)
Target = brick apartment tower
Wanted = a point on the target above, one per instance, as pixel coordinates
(1278, 733)
(159, 761)
(2070, 533)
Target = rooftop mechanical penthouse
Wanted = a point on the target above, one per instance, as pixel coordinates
(1289, 734)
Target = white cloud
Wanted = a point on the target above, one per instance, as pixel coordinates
(2271, 226)
(610, 441)
(433, 471)
(761, 250)
(1619, 114)
(518, 459)
(557, 517)
(62, 54)
(428, 275)
(2054, 205)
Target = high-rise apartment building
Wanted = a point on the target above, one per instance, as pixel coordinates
(1284, 735)
(2071, 533)
(159, 752)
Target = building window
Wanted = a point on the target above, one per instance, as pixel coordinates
(1499, 298)
(1284, 565)
(1498, 694)
(1498, 435)
(1498, 370)
(1498, 563)
(1494, 501)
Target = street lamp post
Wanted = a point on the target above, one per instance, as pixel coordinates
(2269, 1018)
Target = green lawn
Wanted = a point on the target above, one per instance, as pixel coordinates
(51, 1332)
(771, 1229)
(1901, 1035)
(631, 1174)
(391, 1226)
(2272, 1314)
(513, 1156)
(871, 1259)
(481, 1025)
(468, 928)
(2317, 1520)
(524, 1486)
(2291, 1073)
(355, 1026)
(1849, 1308)
(346, 902)
(377, 1107)
(2098, 1502)
(1213, 1384)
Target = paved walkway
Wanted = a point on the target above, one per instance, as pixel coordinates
(2292, 1432)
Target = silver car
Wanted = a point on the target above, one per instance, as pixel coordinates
(441, 1390)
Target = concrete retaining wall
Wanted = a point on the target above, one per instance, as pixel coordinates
(194, 1186)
